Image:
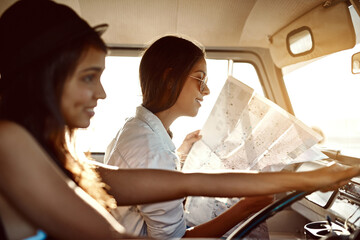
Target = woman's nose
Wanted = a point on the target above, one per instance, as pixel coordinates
(100, 92)
(206, 91)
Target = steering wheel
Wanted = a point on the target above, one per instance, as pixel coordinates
(246, 227)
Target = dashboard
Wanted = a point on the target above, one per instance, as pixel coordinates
(342, 205)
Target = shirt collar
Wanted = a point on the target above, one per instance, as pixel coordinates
(155, 124)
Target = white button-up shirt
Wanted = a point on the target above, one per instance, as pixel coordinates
(143, 142)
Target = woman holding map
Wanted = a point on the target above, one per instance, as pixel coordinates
(173, 77)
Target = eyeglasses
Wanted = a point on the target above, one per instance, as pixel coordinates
(203, 82)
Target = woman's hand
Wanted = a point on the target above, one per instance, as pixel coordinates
(188, 142)
(334, 176)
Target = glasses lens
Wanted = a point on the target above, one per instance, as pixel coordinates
(203, 84)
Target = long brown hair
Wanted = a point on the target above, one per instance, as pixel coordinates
(32, 76)
(164, 68)
(31, 97)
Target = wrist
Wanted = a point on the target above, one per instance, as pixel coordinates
(182, 156)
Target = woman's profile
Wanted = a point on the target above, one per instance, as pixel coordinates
(173, 79)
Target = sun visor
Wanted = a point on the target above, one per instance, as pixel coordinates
(319, 32)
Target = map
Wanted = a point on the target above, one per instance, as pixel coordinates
(246, 131)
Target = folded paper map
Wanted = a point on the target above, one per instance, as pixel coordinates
(246, 131)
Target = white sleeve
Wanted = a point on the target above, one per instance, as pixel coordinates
(141, 148)
(164, 220)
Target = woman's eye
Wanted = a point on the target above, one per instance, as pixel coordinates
(202, 76)
(88, 78)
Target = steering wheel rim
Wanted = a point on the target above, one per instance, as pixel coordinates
(246, 227)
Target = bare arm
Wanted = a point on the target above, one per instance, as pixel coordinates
(40, 191)
(153, 185)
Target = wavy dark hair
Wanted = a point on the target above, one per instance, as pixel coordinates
(164, 68)
(30, 96)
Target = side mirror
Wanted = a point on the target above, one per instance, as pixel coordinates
(355, 63)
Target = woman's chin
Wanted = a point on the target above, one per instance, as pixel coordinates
(194, 113)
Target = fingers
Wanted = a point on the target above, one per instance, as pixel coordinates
(335, 186)
(192, 137)
(189, 140)
(344, 173)
(195, 134)
(337, 176)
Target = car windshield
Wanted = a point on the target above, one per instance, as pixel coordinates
(325, 95)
